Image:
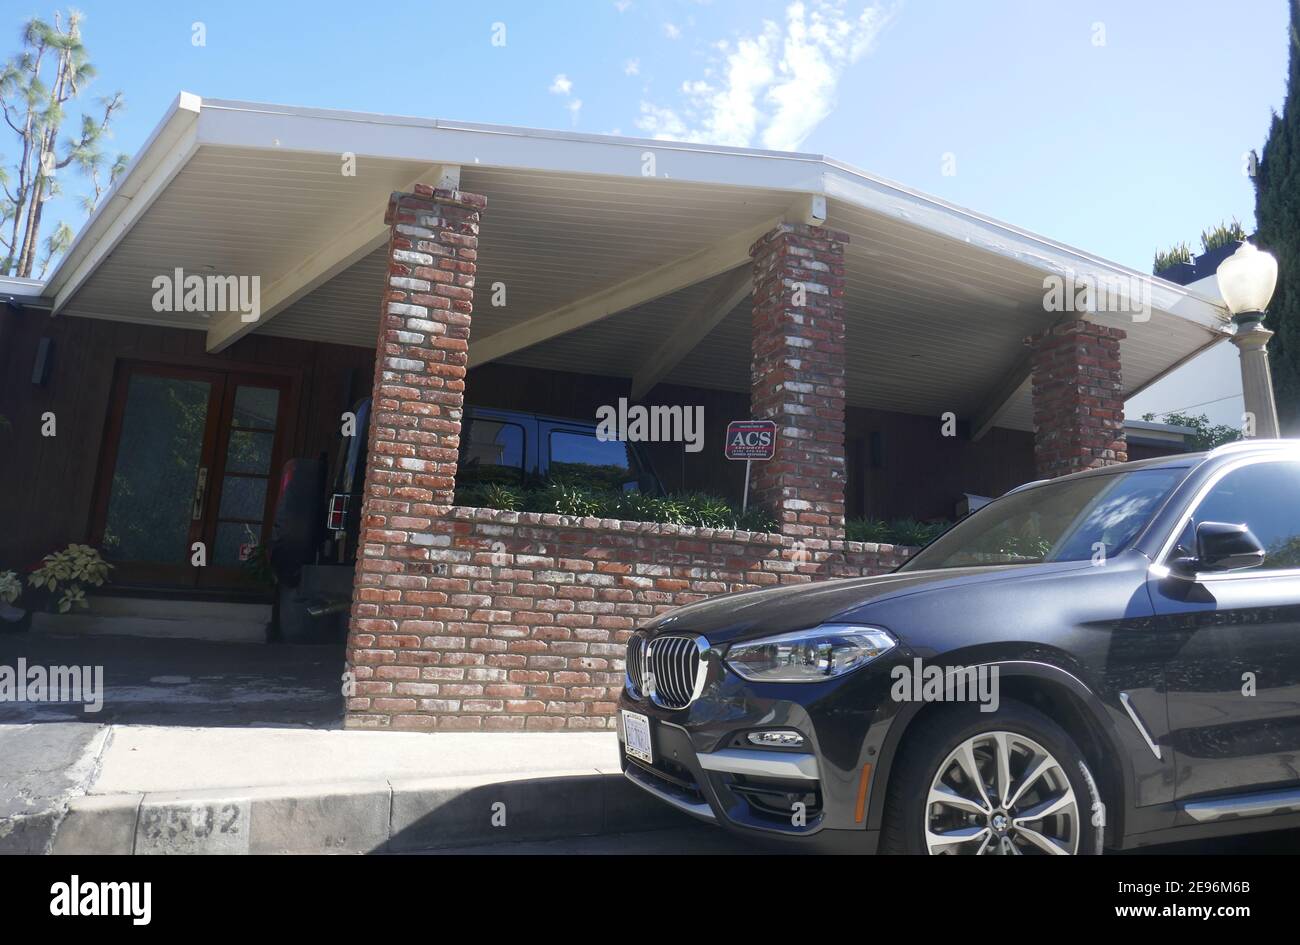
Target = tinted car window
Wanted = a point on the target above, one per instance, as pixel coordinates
(491, 451)
(1071, 520)
(1266, 498)
(582, 459)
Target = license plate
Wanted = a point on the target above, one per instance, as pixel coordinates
(636, 736)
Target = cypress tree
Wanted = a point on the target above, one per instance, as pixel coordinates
(1277, 216)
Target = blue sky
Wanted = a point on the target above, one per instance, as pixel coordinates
(1117, 127)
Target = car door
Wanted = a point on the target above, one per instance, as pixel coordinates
(1233, 681)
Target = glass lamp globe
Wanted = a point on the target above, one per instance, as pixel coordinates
(1247, 279)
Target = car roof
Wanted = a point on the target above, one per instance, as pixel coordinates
(1232, 450)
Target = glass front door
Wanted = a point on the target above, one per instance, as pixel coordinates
(188, 484)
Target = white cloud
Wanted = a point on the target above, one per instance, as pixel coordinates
(672, 31)
(632, 67)
(772, 87)
(563, 85)
(622, 6)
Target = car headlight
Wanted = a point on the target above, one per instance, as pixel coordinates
(830, 650)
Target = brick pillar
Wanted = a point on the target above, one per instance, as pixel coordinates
(797, 377)
(414, 439)
(1078, 399)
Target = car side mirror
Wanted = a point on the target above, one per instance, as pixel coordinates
(1223, 546)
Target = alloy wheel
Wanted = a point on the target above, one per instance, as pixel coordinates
(1000, 793)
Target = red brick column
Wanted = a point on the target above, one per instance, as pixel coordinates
(414, 439)
(797, 377)
(1078, 399)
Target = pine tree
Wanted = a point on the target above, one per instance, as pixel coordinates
(1277, 216)
(36, 87)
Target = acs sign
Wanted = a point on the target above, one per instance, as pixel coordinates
(751, 439)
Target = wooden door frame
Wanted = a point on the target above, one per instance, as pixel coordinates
(222, 377)
(214, 576)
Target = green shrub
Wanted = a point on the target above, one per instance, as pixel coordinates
(568, 497)
(902, 531)
(71, 571)
(756, 519)
(868, 530)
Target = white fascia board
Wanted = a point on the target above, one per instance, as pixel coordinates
(168, 148)
(1047, 256)
(246, 125)
(26, 291)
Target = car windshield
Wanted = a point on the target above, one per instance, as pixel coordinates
(1070, 520)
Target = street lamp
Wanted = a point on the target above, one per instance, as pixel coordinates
(1247, 279)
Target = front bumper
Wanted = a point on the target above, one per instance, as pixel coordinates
(818, 796)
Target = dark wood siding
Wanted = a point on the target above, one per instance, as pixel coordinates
(898, 464)
(46, 483)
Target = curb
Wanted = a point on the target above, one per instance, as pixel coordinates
(391, 816)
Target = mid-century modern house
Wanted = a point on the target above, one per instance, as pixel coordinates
(908, 350)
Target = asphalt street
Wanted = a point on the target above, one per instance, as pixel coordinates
(703, 839)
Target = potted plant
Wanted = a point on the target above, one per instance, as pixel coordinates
(1218, 244)
(57, 585)
(11, 617)
(1175, 264)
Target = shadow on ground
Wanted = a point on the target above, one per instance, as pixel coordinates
(186, 682)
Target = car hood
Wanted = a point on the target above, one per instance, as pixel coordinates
(749, 614)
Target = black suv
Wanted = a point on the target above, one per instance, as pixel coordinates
(1109, 659)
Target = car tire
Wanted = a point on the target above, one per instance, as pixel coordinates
(934, 807)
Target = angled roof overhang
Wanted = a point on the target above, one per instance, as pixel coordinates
(617, 256)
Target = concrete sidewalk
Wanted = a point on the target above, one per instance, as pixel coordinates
(270, 790)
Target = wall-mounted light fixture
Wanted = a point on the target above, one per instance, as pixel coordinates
(44, 361)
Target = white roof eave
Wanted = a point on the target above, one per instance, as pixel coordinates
(192, 122)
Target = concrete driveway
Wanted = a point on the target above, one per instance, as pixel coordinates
(50, 751)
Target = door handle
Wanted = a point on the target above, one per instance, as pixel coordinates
(200, 490)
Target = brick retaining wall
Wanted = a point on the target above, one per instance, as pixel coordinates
(513, 621)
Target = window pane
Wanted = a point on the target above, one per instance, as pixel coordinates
(1063, 521)
(243, 498)
(1266, 498)
(581, 459)
(249, 452)
(156, 471)
(491, 452)
(256, 407)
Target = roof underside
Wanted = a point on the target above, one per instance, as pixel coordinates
(935, 321)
